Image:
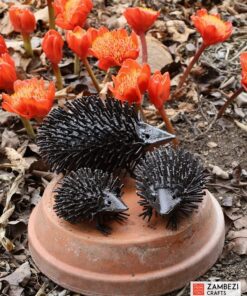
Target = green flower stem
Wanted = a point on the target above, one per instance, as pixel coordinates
(28, 127)
(168, 124)
(59, 79)
(76, 65)
(91, 74)
(144, 48)
(229, 101)
(191, 64)
(27, 44)
(51, 14)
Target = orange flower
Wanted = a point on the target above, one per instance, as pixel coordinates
(7, 72)
(159, 88)
(22, 19)
(79, 41)
(113, 48)
(71, 13)
(243, 61)
(52, 45)
(131, 81)
(31, 98)
(3, 47)
(140, 19)
(211, 27)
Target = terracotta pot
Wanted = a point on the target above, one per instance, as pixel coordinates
(136, 259)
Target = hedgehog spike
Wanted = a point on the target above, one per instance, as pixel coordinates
(87, 195)
(101, 135)
(170, 182)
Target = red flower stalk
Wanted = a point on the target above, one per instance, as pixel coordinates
(159, 92)
(51, 14)
(131, 82)
(140, 20)
(52, 46)
(24, 22)
(7, 72)
(31, 99)
(113, 48)
(3, 47)
(243, 62)
(212, 29)
(71, 13)
(79, 41)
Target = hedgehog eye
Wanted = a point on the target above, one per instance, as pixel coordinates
(147, 136)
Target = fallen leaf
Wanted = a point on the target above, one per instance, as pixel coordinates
(20, 276)
(241, 223)
(17, 161)
(237, 234)
(241, 125)
(216, 170)
(178, 30)
(9, 139)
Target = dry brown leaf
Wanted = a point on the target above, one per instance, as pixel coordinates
(20, 276)
(42, 15)
(178, 30)
(241, 125)
(9, 139)
(241, 223)
(17, 161)
(237, 234)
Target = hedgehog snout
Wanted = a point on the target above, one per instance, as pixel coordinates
(152, 135)
(113, 204)
(165, 201)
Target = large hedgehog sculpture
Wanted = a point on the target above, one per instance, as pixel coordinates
(170, 183)
(87, 195)
(88, 132)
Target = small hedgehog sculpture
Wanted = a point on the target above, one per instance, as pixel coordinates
(170, 182)
(91, 133)
(87, 195)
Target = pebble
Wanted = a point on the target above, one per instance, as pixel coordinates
(212, 144)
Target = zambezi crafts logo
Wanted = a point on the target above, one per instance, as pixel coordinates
(215, 289)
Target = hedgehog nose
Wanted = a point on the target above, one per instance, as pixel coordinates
(166, 202)
(117, 204)
(154, 135)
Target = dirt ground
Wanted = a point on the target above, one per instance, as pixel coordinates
(220, 144)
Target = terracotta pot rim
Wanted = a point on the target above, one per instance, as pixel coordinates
(205, 250)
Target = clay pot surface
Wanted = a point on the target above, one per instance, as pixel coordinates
(138, 258)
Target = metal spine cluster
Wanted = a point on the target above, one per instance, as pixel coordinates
(171, 182)
(87, 195)
(90, 133)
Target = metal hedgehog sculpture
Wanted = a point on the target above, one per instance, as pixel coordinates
(87, 195)
(91, 133)
(171, 182)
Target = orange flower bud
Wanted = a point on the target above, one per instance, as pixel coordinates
(22, 19)
(3, 47)
(212, 29)
(71, 13)
(131, 82)
(79, 41)
(243, 61)
(140, 19)
(159, 88)
(7, 72)
(52, 46)
(113, 48)
(32, 98)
